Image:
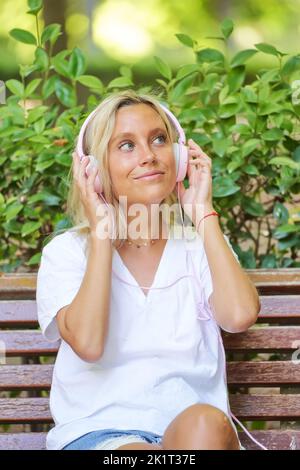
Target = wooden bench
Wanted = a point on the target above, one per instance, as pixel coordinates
(263, 380)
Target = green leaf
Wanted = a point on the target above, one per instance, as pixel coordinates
(228, 110)
(48, 198)
(90, 81)
(236, 77)
(249, 146)
(41, 59)
(32, 86)
(290, 66)
(227, 27)
(16, 87)
(120, 82)
(280, 213)
(35, 6)
(60, 65)
(253, 207)
(210, 55)
(273, 134)
(76, 63)
(185, 39)
(163, 68)
(224, 186)
(23, 36)
(49, 86)
(180, 89)
(285, 230)
(12, 210)
(285, 161)
(125, 71)
(65, 93)
(269, 262)
(30, 227)
(51, 33)
(267, 49)
(251, 170)
(241, 57)
(186, 70)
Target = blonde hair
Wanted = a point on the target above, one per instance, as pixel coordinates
(96, 139)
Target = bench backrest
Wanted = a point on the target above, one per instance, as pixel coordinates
(263, 364)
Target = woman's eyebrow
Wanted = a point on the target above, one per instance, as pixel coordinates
(130, 134)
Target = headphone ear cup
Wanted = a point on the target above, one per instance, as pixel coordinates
(181, 159)
(176, 150)
(97, 183)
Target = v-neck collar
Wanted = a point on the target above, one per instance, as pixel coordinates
(117, 259)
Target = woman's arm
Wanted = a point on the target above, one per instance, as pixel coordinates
(234, 301)
(83, 324)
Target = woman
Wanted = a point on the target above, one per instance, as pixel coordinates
(140, 364)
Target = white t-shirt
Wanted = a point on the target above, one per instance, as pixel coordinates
(162, 351)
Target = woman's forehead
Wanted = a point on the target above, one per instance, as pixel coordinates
(129, 118)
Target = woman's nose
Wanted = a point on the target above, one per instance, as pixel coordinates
(147, 155)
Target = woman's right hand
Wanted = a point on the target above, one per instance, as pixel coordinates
(89, 198)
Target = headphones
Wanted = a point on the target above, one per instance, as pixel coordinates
(179, 148)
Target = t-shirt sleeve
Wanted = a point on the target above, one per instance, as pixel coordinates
(205, 273)
(59, 277)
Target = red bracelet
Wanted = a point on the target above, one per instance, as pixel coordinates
(207, 215)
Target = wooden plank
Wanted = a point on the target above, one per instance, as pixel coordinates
(18, 285)
(271, 439)
(257, 373)
(25, 410)
(281, 309)
(265, 407)
(265, 339)
(27, 343)
(245, 407)
(251, 373)
(18, 314)
(268, 281)
(23, 441)
(283, 339)
(26, 377)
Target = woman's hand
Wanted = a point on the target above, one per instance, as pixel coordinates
(89, 198)
(199, 194)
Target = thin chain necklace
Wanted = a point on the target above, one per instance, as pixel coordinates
(139, 245)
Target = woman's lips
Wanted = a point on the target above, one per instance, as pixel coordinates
(150, 177)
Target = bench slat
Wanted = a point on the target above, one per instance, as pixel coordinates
(239, 373)
(268, 281)
(272, 439)
(27, 343)
(264, 339)
(282, 309)
(248, 407)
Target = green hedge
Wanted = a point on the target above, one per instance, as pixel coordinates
(250, 128)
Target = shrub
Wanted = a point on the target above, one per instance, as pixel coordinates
(250, 128)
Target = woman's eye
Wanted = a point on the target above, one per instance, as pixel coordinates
(126, 143)
(161, 136)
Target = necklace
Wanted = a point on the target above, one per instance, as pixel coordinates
(139, 245)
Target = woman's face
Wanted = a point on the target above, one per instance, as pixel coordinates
(140, 144)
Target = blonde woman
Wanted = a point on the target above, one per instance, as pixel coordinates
(140, 363)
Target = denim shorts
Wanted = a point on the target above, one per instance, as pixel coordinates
(111, 439)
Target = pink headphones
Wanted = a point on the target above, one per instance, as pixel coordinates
(179, 148)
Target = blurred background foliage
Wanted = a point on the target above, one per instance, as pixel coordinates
(230, 83)
(114, 32)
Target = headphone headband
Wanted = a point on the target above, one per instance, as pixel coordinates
(79, 147)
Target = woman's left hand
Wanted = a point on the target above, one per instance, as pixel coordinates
(200, 181)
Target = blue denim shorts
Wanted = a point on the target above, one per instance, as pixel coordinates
(111, 439)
